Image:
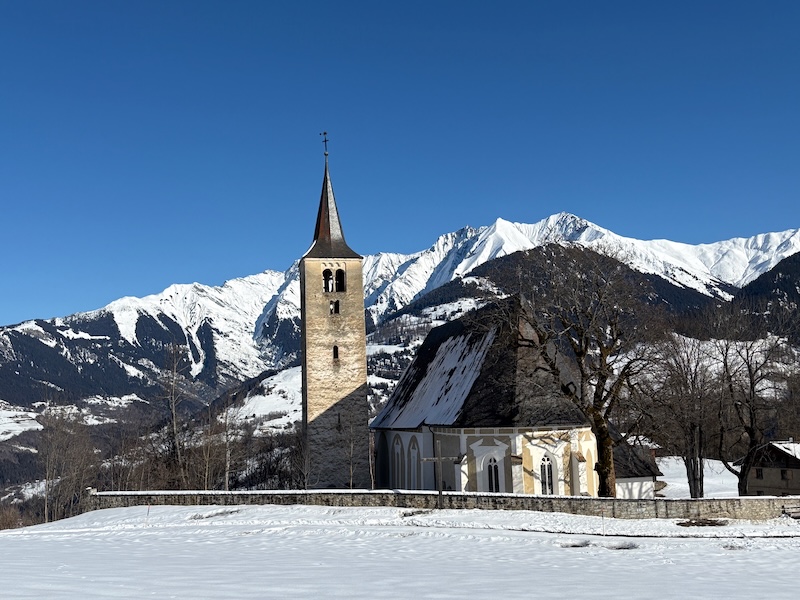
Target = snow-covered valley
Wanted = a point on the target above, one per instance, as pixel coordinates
(306, 552)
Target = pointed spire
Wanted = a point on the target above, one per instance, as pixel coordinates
(328, 236)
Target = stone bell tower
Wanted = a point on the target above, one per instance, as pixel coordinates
(335, 429)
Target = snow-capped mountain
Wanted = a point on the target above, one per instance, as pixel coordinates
(229, 310)
(391, 281)
(711, 269)
(246, 326)
(119, 351)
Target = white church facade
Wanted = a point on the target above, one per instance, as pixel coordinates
(491, 459)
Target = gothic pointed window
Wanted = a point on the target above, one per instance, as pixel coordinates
(327, 280)
(414, 465)
(547, 475)
(340, 282)
(398, 464)
(493, 473)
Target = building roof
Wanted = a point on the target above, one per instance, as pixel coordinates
(790, 447)
(776, 455)
(473, 372)
(328, 235)
(631, 462)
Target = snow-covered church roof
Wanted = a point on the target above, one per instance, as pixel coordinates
(473, 372)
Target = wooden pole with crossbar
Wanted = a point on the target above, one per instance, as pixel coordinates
(437, 460)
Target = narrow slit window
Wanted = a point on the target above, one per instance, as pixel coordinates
(546, 471)
(334, 307)
(336, 353)
(494, 475)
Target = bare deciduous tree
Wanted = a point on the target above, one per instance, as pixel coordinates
(174, 396)
(754, 370)
(591, 312)
(677, 400)
(68, 460)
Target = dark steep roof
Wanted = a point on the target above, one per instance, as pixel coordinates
(473, 372)
(328, 236)
(630, 462)
(777, 454)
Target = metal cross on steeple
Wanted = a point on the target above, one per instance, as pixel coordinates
(325, 140)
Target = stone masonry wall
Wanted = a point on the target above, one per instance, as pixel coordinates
(335, 409)
(751, 508)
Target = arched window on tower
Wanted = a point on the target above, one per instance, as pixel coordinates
(336, 353)
(327, 280)
(547, 475)
(340, 282)
(334, 307)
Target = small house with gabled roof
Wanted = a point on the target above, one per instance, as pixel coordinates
(776, 470)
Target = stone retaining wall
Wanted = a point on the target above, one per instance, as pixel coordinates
(750, 507)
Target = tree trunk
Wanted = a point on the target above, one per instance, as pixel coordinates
(694, 475)
(749, 460)
(744, 473)
(605, 459)
(693, 460)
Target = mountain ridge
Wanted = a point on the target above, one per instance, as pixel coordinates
(248, 325)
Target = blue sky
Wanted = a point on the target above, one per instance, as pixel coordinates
(149, 143)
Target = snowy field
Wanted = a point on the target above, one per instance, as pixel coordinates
(718, 482)
(14, 420)
(316, 552)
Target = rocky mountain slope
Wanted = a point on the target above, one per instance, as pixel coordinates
(392, 281)
(104, 361)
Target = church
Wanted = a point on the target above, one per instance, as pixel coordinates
(477, 395)
(476, 411)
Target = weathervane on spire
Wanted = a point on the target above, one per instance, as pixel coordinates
(325, 140)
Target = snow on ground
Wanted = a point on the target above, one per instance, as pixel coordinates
(718, 482)
(373, 349)
(71, 411)
(113, 401)
(24, 491)
(279, 404)
(442, 313)
(305, 552)
(14, 420)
